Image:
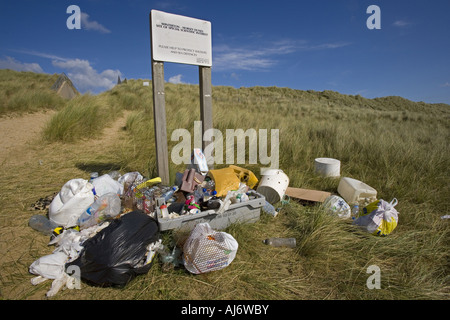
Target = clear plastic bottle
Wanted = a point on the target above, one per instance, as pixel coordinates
(169, 194)
(94, 175)
(210, 185)
(42, 224)
(355, 211)
(199, 193)
(269, 209)
(105, 207)
(281, 242)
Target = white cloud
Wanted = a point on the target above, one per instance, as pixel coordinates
(176, 79)
(13, 64)
(82, 74)
(87, 24)
(447, 84)
(86, 78)
(262, 58)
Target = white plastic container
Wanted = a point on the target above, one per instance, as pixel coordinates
(273, 185)
(356, 192)
(328, 167)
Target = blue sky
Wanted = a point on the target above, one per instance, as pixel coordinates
(307, 45)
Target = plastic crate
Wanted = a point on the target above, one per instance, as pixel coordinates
(243, 212)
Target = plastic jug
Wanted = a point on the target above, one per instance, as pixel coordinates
(356, 192)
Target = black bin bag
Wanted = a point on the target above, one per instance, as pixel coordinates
(117, 254)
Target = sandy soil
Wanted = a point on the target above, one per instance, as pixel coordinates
(17, 131)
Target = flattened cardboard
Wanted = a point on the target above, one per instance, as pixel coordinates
(307, 194)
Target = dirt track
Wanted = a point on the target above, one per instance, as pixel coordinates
(17, 131)
(31, 169)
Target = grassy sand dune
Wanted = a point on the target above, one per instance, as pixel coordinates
(399, 147)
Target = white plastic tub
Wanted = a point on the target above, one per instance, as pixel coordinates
(328, 167)
(273, 185)
(356, 192)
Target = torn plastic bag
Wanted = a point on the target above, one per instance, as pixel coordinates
(117, 254)
(75, 197)
(50, 266)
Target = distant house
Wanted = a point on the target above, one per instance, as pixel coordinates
(64, 87)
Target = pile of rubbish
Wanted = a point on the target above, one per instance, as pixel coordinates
(359, 202)
(107, 230)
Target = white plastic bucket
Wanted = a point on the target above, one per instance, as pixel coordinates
(328, 167)
(273, 185)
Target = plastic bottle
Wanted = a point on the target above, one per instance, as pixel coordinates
(106, 207)
(169, 194)
(210, 185)
(87, 214)
(199, 194)
(269, 209)
(207, 194)
(94, 175)
(281, 242)
(164, 211)
(42, 224)
(355, 211)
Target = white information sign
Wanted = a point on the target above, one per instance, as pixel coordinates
(180, 39)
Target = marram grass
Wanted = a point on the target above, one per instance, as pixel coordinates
(397, 146)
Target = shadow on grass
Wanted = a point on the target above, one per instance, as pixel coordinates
(100, 167)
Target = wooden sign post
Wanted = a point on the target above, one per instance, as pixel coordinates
(184, 40)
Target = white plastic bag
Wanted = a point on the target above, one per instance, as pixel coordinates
(50, 266)
(105, 184)
(74, 198)
(208, 250)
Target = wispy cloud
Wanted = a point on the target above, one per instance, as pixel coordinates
(88, 24)
(447, 84)
(262, 57)
(41, 55)
(401, 23)
(13, 64)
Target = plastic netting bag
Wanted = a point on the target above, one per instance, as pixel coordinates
(208, 250)
(117, 254)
